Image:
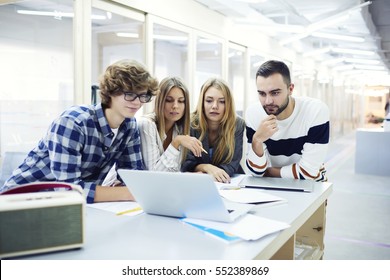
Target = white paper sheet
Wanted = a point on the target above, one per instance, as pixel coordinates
(249, 227)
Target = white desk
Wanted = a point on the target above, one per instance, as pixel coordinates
(152, 237)
(372, 152)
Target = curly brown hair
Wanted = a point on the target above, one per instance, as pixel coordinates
(125, 75)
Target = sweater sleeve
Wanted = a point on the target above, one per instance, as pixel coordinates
(255, 164)
(311, 164)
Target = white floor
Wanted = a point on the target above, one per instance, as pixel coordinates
(358, 210)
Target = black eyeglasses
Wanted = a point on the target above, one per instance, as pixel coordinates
(143, 98)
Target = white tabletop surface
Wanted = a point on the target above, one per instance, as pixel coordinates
(112, 237)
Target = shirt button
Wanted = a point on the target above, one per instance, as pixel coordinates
(105, 148)
(112, 134)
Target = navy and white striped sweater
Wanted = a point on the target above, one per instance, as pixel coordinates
(299, 146)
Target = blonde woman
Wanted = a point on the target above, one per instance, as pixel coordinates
(165, 132)
(216, 124)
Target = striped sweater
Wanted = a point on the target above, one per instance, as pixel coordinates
(299, 146)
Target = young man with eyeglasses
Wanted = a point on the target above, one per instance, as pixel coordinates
(83, 143)
(287, 136)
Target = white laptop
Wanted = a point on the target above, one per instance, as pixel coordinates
(277, 184)
(176, 194)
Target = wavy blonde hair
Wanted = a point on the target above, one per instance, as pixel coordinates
(223, 152)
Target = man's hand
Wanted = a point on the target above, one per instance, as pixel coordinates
(272, 172)
(266, 129)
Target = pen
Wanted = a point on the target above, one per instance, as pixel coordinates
(129, 211)
(203, 149)
(230, 188)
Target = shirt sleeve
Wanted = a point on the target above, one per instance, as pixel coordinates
(154, 156)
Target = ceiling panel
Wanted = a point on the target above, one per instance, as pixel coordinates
(296, 24)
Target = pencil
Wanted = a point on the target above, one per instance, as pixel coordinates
(205, 151)
(129, 211)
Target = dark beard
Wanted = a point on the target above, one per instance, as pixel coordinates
(280, 109)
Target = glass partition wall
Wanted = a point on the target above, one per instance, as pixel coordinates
(120, 36)
(208, 63)
(236, 75)
(170, 52)
(36, 54)
(39, 43)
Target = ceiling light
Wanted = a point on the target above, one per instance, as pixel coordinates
(55, 14)
(338, 37)
(43, 13)
(207, 41)
(352, 51)
(252, 1)
(370, 67)
(362, 61)
(127, 35)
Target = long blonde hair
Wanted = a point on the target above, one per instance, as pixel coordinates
(166, 85)
(224, 150)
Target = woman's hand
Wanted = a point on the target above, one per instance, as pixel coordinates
(218, 174)
(189, 142)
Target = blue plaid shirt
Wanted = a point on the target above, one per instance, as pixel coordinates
(77, 149)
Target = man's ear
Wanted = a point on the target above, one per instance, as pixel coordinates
(291, 88)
